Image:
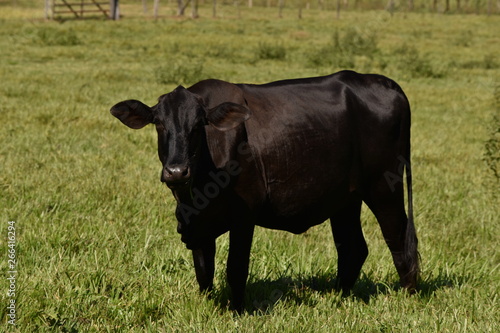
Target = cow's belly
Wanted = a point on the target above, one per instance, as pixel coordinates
(297, 213)
(306, 176)
(308, 190)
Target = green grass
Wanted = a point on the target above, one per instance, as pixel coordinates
(96, 243)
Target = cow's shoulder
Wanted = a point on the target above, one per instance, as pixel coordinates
(215, 92)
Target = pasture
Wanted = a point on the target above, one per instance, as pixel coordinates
(95, 234)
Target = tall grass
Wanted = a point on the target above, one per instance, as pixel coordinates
(96, 243)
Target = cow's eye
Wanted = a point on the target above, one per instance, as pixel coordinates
(196, 128)
(202, 123)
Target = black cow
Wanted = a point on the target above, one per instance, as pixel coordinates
(285, 155)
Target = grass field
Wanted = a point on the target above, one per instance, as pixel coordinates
(95, 238)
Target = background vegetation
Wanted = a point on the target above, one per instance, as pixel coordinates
(96, 243)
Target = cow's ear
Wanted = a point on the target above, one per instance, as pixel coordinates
(132, 113)
(227, 116)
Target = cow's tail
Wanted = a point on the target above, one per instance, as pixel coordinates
(412, 257)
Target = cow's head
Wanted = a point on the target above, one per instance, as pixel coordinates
(180, 118)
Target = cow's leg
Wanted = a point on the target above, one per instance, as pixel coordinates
(386, 201)
(204, 265)
(350, 243)
(240, 243)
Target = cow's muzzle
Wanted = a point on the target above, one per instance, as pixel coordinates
(176, 176)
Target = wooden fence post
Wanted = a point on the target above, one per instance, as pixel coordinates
(47, 8)
(156, 8)
(115, 10)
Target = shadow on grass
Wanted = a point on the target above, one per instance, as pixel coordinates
(263, 295)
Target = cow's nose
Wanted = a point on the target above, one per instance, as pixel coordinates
(174, 174)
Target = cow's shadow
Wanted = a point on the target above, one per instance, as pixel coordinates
(264, 294)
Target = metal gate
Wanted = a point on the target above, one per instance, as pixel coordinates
(78, 9)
